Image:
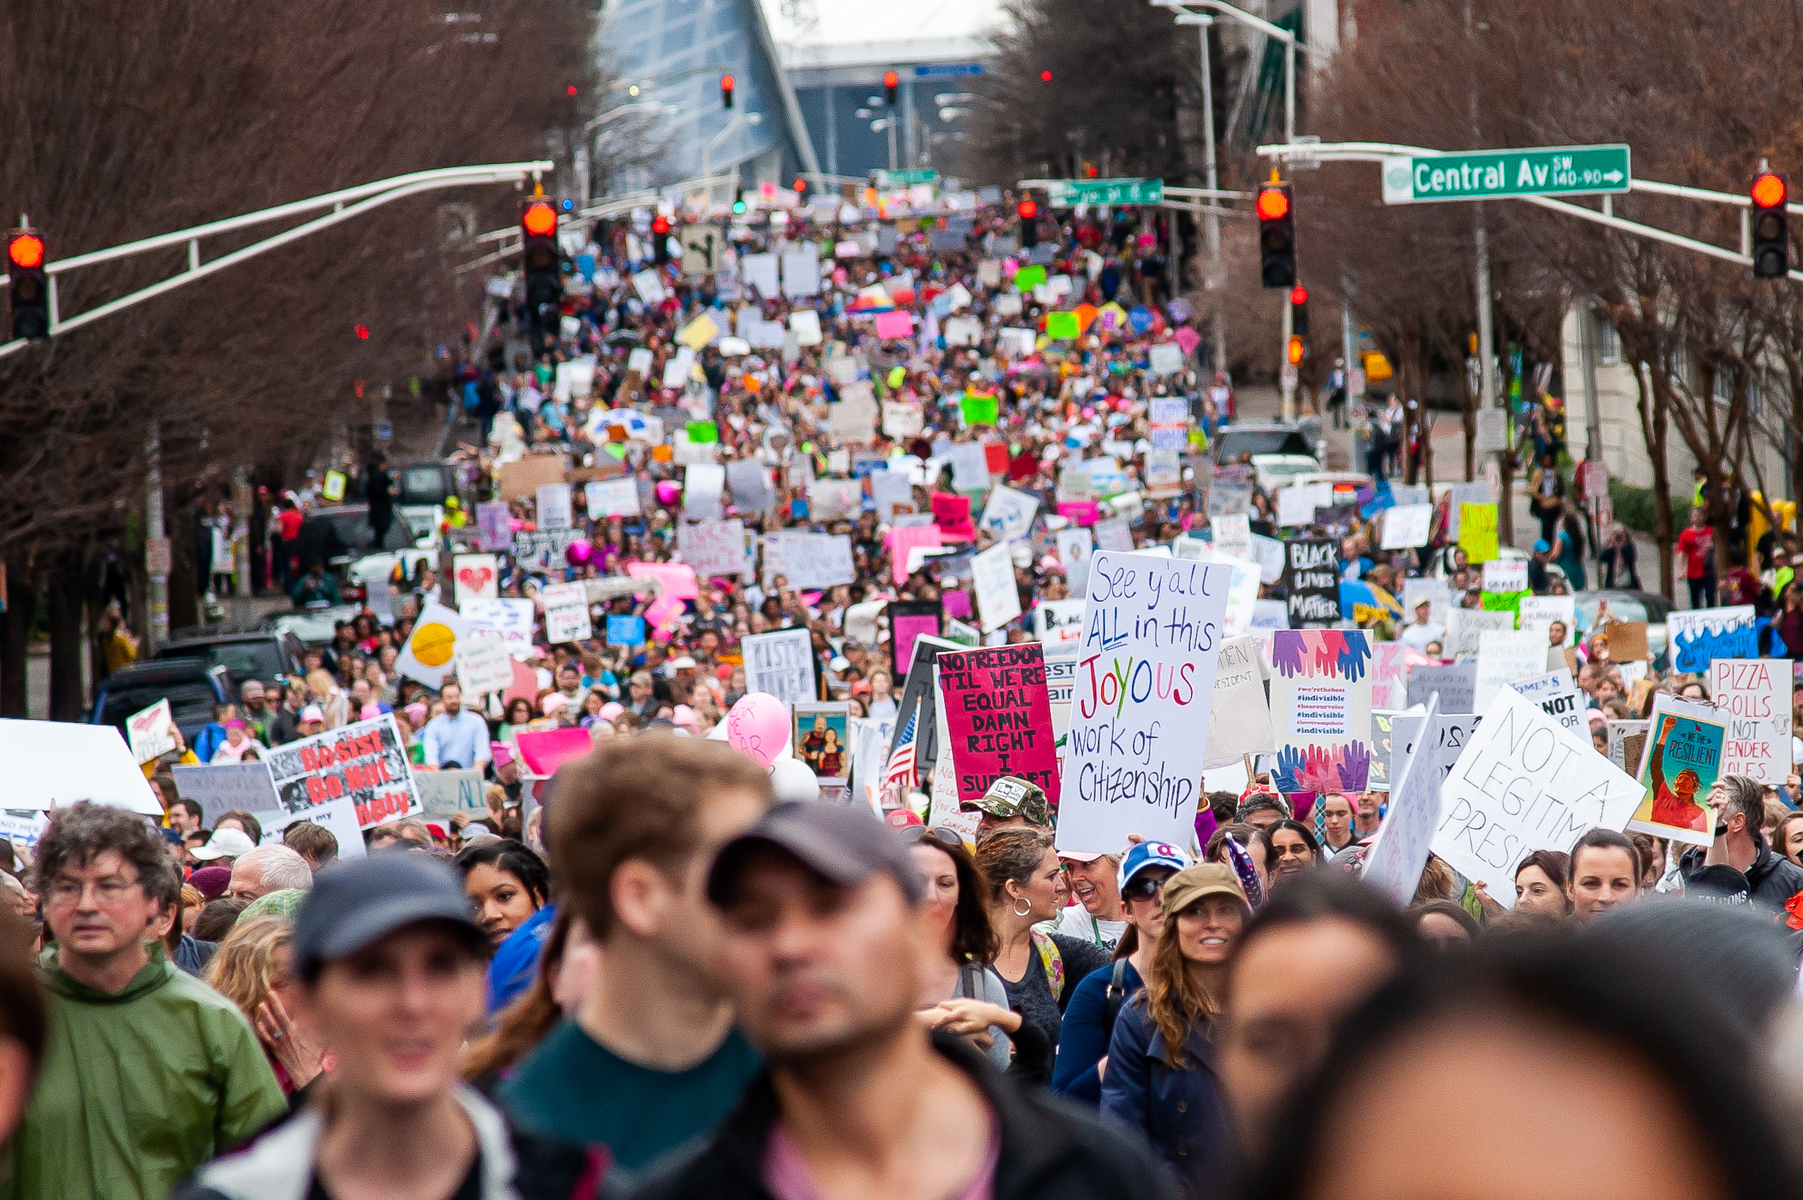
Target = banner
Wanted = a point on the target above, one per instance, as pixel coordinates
(1239, 718)
(1312, 575)
(782, 664)
(151, 732)
(1321, 708)
(1680, 764)
(1754, 694)
(999, 718)
(1397, 857)
(363, 762)
(1524, 783)
(1699, 636)
(1145, 672)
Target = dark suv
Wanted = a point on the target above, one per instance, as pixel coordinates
(245, 651)
(192, 685)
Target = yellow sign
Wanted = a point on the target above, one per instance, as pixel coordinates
(334, 486)
(1477, 531)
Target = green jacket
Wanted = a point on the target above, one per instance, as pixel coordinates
(137, 1089)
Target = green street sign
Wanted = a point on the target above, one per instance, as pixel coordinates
(895, 179)
(1497, 174)
(1065, 193)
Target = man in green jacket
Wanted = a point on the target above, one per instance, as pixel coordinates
(148, 1072)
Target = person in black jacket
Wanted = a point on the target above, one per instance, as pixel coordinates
(824, 955)
(1739, 806)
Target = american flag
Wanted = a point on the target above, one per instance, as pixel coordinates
(899, 778)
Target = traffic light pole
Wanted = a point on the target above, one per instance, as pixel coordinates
(1287, 373)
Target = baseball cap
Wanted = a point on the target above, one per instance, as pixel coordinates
(1203, 879)
(357, 904)
(225, 843)
(842, 844)
(312, 713)
(1010, 796)
(1150, 854)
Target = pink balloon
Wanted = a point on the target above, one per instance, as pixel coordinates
(758, 726)
(668, 490)
(578, 553)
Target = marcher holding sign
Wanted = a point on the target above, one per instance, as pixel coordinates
(999, 718)
(1395, 861)
(151, 732)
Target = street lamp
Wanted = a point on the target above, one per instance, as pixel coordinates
(1290, 46)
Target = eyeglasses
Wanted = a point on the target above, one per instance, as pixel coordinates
(1143, 887)
(108, 891)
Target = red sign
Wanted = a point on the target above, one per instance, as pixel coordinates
(999, 718)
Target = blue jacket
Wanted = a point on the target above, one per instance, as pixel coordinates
(1083, 1038)
(1182, 1113)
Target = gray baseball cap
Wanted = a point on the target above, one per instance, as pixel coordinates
(354, 905)
(842, 844)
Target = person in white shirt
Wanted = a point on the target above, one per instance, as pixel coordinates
(1097, 917)
(1424, 629)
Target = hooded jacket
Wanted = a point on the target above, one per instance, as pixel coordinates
(1771, 878)
(137, 1089)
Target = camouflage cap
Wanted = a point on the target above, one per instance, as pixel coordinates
(1010, 796)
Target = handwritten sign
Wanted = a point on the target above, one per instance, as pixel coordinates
(1557, 697)
(1145, 677)
(452, 791)
(1009, 514)
(815, 561)
(1058, 623)
(1466, 625)
(1409, 739)
(363, 762)
(1699, 636)
(1312, 575)
(1239, 718)
(1407, 526)
(1321, 705)
(509, 617)
(1477, 531)
(714, 547)
(1503, 656)
(1454, 683)
(151, 732)
(1754, 694)
(782, 664)
(1399, 854)
(1538, 613)
(1524, 783)
(999, 718)
(221, 787)
(998, 596)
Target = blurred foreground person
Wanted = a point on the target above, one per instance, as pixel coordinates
(391, 966)
(149, 1072)
(827, 938)
(24, 1021)
(1610, 1075)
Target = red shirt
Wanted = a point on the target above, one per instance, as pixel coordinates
(291, 519)
(1697, 546)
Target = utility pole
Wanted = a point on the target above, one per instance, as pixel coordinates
(1286, 372)
(156, 544)
(1486, 360)
(1215, 280)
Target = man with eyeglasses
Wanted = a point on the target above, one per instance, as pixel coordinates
(149, 1072)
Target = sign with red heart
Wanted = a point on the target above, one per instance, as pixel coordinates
(477, 576)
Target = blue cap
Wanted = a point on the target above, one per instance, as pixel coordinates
(1151, 854)
(1540, 547)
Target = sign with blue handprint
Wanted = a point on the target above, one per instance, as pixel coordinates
(1321, 706)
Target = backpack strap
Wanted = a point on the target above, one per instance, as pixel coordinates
(1052, 960)
(1116, 994)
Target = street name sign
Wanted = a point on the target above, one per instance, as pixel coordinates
(1063, 193)
(1499, 174)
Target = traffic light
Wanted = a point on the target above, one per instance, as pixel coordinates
(543, 264)
(891, 81)
(1045, 77)
(1771, 227)
(30, 288)
(660, 239)
(1029, 223)
(738, 202)
(1299, 310)
(1294, 351)
(1276, 236)
(726, 88)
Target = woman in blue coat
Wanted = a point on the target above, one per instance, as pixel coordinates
(1161, 1077)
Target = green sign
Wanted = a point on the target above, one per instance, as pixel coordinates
(1064, 193)
(1495, 174)
(895, 179)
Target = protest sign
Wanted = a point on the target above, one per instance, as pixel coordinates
(714, 547)
(1679, 765)
(1388, 675)
(1058, 623)
(1397, 857)
(1377, 777)
(816, 561)
(944, 811)
(222, 787)
(544, 550)
(1269, 554)
(151, 732)
(363, 762)
(625, 631)
(554, 506)
(1627, 640)
(477, 577)
(1524, 783)
(566, 613)
(821, 740)
(1557, 697)
(494, 526)
(1699, 636)
(1228, 497)
(999, 718)
(1503, 656)
(1008, 514)
(520, 479)
(1506, 575)
(1312, 576)
(612, 498)
(1321, 709)
(1074, 549)
(1754, 694)
(543, 751)
(1407, 741)
(909, 619)
(1436, 592)
(452, 792)
(431, 649)
(1477, 531)
(1406, 526)
(1114, 534)
(1145, 671)
(1465, 625)
(703, 485)
(970, 467)
(509, 617)
(1297, 503)
(1239, 718)
(337, 816)
(1537, 614)
(1454, 683)
(1627, 742)
(1233, 534)
(483, 664)
(998, 596)
(782, 664)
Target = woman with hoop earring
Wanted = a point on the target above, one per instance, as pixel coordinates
(1040, 969)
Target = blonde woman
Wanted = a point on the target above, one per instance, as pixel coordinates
(252, 970)
(330, 697)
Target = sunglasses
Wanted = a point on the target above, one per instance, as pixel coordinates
(1142, 888)
(938, 833)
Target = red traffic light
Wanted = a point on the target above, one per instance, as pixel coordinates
(660, 224)
(801, 185)
(362, 332)
(26, 250)
(1045, 77)
(1298, 295)
(890, 79)
(1769, 190)
(571, 90)
(1027, 210)
(726, 83)
(539, 219)
(1273, 204)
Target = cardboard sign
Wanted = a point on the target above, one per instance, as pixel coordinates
(1239, 718)
(520, 479)
(998, 596)
(151, 731)
(222, 787)
(1524, 783)
(1754, 694)
(1321, 708)
(1145, 676)
(363, 762)
(1058, 623)
(1627, 640)
(782, 664)
(1455, 684)
(999, 718)
(1399, 854)
(1698, 637)
(1312, 576)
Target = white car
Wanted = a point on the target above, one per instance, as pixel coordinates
(1273, 471)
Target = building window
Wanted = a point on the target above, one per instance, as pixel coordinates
(1608, 344)
(1724, 385)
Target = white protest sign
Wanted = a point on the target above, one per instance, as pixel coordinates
(477, 576)
(508, 616)
(152, 731)
(452, 791)
(221, 787)
(1297, 503)
(1537, 614)
(782, 664)
(714, 547)
(970, 467)
(1506, 575)
(1114, 534)
(804, 323)
(1009, 514)
(1239, 718)
(1465, 625)
(1145, 677)
(1525, 783)
(702, 486)
(568, 623)
(431, 648)
(483, 664)
(998, 597)
(1058, 623)
(1754, 694)
(1396, 859)
(750, 483)
(1406, 526)
(1268, 554)
(1075, 548)
(338, 816)
(554, 502)
(1233, 534)
(1503, 656)
(815, 561)
(1557, 696)
(612, 497)
(1452, 734)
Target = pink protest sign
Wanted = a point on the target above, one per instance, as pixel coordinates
(545, 750)
(662, 613)
(999, 718)
(956, 603)
(896, 324)
(1078, 512)
(678, 578)
(904, 538)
